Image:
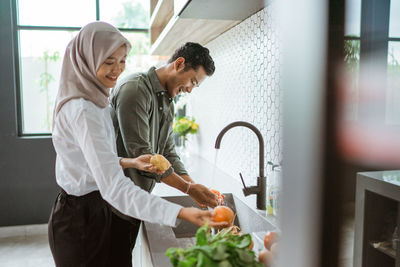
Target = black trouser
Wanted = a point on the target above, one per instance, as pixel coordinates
(123, 239)
(84, 232)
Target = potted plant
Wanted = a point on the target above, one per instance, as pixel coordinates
(184, 125)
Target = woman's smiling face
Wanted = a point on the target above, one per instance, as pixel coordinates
(112, 67)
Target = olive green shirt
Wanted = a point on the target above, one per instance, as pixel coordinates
(142, 113)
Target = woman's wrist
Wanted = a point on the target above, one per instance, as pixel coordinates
(122, 162)
(127, 163)
(180, 213)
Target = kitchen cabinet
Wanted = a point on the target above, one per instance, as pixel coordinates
(174, 22)
(377, 216)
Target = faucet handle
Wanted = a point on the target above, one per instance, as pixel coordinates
(248, 190)
(241, 177)
(273, 165)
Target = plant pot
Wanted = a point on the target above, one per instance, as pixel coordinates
(181, 148)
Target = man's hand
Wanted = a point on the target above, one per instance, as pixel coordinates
(203, 196)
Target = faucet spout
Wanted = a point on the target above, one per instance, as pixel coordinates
(260, 189)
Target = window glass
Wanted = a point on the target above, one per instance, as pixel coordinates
(139, 59)
(125, 13)
(41, 54)
(353, 18)
(352, 55)
(41, 51)
(393, 86)
(394, 22)
(352, 63)
(72, 13)
(40, 64)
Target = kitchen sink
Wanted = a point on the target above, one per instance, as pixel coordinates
(161, 237)
(186, 229)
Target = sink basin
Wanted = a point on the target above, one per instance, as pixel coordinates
(186, 229)
(161, 237)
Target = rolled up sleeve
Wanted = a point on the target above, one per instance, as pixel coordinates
(171, 155)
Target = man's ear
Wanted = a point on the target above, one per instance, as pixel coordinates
(179, 64)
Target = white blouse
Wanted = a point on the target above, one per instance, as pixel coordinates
(83, 137)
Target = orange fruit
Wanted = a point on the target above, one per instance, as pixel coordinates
(251, 245)
(266, 257)
(219, 195)
(223, 214)
(269, 239)
(215, 192)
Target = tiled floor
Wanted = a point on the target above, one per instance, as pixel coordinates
(27, 246)
(346, 257)
(25, 251)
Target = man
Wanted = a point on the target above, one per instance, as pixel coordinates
(142, 113)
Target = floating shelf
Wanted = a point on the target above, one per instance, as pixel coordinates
(179, 31)
(174, 22)
(160, 17)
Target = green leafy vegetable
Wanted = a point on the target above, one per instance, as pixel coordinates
(223, 249)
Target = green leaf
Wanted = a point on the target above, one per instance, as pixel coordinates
(202, 236)
(173, 254)
(225, 263)
(219, 252)
(193, 131)
(188, 262)
(245, 255)
(182, 127)
(204, 261)
(244, 242)
(206, 249)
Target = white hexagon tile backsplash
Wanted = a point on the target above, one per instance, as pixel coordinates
(245, 86)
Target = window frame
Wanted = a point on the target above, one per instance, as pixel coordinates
(373, 20)
(17, 71)
(374, 34)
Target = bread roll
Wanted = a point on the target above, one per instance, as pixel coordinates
(160, 162)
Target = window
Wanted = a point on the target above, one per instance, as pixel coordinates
(369, 104)
(379, 39)
(353, 18)
(393, 68)
(394, 21)
(43, 30)
(352, 55)
(393, 84)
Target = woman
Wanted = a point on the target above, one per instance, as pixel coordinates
(87, 167)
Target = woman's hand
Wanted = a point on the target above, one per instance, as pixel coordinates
(141, 163)
(200, 217)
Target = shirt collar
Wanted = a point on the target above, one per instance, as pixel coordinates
(156, 85)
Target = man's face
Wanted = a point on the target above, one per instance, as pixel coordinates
(184, 81)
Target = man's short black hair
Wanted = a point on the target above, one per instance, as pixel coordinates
(195, 55)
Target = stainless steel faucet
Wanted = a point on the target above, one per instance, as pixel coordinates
(260, 189)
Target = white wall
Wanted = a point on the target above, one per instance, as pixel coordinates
(245, 86)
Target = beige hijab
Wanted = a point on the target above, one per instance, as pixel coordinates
(83, 57)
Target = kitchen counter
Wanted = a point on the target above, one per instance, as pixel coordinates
(377, 214)
(204, 172)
